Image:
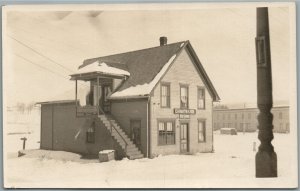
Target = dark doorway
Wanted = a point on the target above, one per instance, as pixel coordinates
(184, 138)
(104, 102)
(135, 132)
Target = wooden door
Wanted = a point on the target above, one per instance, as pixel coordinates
(105, 104)
(184, 138)
(135, 129)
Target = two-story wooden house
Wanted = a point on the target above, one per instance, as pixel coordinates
(141, 103)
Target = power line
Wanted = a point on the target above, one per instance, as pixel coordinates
(29, 61)
(39, 53)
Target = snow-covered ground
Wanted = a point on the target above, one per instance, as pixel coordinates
(232, 165)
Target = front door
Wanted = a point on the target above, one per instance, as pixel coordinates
(135, 129)
(184, 138)
(106, 90)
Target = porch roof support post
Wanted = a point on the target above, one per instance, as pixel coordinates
(76, 103)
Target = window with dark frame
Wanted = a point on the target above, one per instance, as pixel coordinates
(165, 95)
(201, 98)
(90, 134)
(184, 96)
(166, 133)
(201, 131)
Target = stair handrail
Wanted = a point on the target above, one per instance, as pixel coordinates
(113, 127)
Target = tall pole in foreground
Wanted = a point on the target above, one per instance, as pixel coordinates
(266, 158)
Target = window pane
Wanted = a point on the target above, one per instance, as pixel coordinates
(165, 96)
(163, 90)
(161, 138)
(200, 103)
(169, 126)
(183, 96)
(170, 138)
(201, 131)
(161, 126)
(161, 133)
(163, 101)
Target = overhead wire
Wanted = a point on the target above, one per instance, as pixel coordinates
(39, 53)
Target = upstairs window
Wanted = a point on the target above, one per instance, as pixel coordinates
(165, 95)
(201, 131)
(201, 98)
(184, 97)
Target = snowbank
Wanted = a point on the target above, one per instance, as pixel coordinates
(232, 165)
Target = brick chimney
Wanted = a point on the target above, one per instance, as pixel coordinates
(163, 40)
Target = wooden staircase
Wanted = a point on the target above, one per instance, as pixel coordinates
(129, 148)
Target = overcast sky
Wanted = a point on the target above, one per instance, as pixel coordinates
(44, 47)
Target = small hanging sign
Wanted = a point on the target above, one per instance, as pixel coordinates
(184, 116)
(184, 111)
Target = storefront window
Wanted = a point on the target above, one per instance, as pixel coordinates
(166, 133)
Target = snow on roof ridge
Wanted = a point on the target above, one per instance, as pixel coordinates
(137, 50)
(145, 89)
(102, 67)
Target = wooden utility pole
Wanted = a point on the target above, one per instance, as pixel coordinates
(266, 158)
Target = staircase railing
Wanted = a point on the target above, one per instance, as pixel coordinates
(111, 131)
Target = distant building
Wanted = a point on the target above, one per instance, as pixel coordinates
(245, 119)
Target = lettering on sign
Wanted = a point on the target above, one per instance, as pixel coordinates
(185, 111)
(184, 116)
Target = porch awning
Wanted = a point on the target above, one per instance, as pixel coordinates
(101, 70)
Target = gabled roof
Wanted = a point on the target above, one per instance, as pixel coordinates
(147, 66)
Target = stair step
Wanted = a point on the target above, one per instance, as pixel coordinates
(129, 146)
(131, 153)
(132, 149)
(132, 157)
(121, 141)
(119, 135)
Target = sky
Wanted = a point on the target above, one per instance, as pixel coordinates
(43, 48)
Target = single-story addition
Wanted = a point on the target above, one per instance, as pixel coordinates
(141, 104)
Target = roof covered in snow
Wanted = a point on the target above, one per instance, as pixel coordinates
(146, 67)
(100, 67)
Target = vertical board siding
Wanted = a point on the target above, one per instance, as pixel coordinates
(123, 112)
(46, 124)
(69, 131)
